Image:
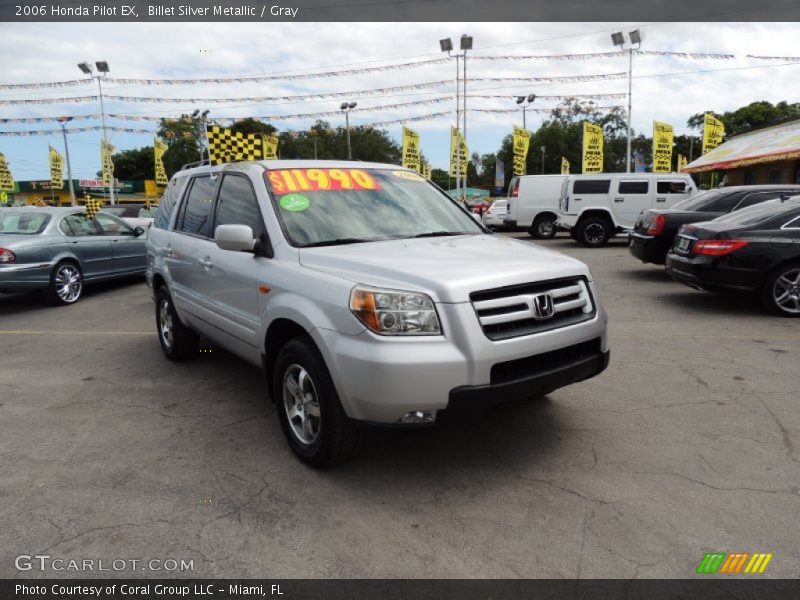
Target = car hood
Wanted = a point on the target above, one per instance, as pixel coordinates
(449, 268)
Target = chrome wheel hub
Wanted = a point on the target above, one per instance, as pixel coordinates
(301, 404)
(594, 233)
(165, 323)
(786, 291)
(546, 227)
(68, 283)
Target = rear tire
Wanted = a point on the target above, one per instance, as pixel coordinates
(66, 284)
(543, 228)
(178, 342)
(594, 232)
(781, 291)
(313, 420)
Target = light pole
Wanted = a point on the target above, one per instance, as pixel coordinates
(521, 100)
(618, 39)
(446, 45)
(200, 121)
(314, 134)
(347, 107)
(543, 149)
(466, 44)
(102, 71)
(63, 121)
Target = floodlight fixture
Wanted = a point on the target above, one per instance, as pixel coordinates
(102, 66)
(531, 98)
(352, 105)
(466, 42)
(635, 36)
(618, 39)
(446, 45)
(195, 113)
(343, 106)
(204, 114)
(520, 99)
(85, 67)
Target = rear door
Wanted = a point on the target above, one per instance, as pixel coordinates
(85, 241)
(128, 251)
(670, 192)
(633, 195)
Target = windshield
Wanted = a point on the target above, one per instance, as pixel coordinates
(698, 202)
(337, 206)
(23, 223)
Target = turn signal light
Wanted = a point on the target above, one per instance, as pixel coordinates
(7, 256)
(718, 247)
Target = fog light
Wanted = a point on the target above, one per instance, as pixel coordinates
(419, 416)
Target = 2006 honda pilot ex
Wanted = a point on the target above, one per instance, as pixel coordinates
(366, 293)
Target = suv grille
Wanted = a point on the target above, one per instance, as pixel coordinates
(519, 310)
(539, 364)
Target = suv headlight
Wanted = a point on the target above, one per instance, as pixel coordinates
(389, 312)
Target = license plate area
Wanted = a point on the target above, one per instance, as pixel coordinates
(683, 245)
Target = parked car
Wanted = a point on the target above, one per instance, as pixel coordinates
(533, 204)
(59, 250)
(595, 207)
(754, 250)
(655, 229)
(369, 296)
(134, 214)
(494, 215)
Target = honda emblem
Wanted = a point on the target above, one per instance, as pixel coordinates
(543, 307)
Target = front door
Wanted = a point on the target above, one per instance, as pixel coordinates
(85, 241)
(128, 251)
(631, 198)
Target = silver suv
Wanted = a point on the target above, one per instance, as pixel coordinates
(367, 295)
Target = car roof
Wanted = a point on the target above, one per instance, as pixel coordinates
(758, 187)
(299, 163)
(50, 210)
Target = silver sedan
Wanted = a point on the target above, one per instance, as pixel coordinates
(59, 250)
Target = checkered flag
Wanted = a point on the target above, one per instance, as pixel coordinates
(93, 206)
(225, 146)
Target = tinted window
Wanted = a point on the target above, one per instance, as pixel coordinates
(761, 213)
(237, 204)
(23, 223)
(111, 226)
(163, 213)
(78, 225)
(753, 199)
(712, 201)
(633, 187)
(591, 186)
(195, 216)
(671, 187)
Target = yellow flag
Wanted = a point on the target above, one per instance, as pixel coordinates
(426, 171)
(592, 148)
(411, 158)
(270, 146)
(56, 170)
(713, 132)
(159, 148)
(564, 166)
(108, 164)
(663, 137)
(521, 141)
(6, 180)
(458, 153)
(682, 162)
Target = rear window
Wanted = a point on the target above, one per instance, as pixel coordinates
(163, 212)
(633, 187)
(195, 216)
(23, 223)
(761, 214)
(591, 186)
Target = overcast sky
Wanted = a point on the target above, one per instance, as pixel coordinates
(664, 88)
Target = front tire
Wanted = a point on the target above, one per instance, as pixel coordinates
(781, 292)
(178, 342)
(594, 232)
(311, 415)
(66, 284)
(543, 228)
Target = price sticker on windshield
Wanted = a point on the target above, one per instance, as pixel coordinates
(290, 181)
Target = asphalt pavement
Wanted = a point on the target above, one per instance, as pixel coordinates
(687, 444)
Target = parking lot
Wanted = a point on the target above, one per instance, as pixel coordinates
(687, 444)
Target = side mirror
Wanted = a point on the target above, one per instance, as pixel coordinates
(138, 231)
(238, 238)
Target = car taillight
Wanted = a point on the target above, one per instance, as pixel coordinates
(7, 256)
(515, 191)
(657, 225)
(717, 247)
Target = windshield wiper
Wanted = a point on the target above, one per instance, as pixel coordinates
(441, 233)
(336, 242)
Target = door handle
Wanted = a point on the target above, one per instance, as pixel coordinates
(206, 263)
(619, 199)
(661, 199)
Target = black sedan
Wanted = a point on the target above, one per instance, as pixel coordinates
(655, 229)
(756, 250)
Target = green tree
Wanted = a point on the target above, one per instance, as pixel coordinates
(184, 144)
(134, 164)
(752, 116)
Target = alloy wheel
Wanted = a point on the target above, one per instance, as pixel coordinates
(301, 404)
(68, 283)
(786, 291)
(165, 325)
(594, 233)
(546, 228)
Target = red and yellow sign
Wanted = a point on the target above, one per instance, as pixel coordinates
(288, 181)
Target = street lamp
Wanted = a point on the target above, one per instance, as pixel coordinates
(102, 71)
(200, 120)
(466, 44)
(446, 45)
(522, 100)
(63, 122)
(618, 39)
(347, 107)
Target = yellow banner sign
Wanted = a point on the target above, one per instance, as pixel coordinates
(411, 157)
(106, 150)
(426, 171)
(663, 137)
(564, 166)
(459, 154)
(159, 148)
(56, 170)
(6, 180)
(522, 141)
(270, 146)
(682, 162)
(713, 132)
(592, 148)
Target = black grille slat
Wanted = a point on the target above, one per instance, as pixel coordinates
(538, 364)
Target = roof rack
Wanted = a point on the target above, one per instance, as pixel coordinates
(199, 163)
